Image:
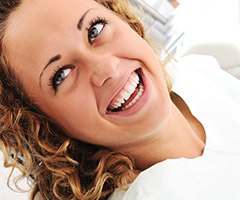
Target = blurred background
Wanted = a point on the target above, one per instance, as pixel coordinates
(209, 27)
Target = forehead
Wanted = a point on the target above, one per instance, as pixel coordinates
(41, 9)
(36, 21)
(37, 15)
(45, 13)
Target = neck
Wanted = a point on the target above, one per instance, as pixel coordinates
(177, 138)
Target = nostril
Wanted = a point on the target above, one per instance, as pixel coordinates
(100, 80)
(105, 69)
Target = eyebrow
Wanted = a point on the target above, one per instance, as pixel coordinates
(80, 23)
(53, 59)
(58, 57)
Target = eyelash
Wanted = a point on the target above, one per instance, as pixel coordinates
(92, 23)
(52, 80)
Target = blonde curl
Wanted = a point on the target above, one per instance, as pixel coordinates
(59, 167)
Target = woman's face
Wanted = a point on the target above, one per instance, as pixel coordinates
(87, 70)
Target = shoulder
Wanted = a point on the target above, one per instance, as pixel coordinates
(159, 182)
(213, 97)
(213, 176)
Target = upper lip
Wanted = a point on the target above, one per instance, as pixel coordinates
(120, 85)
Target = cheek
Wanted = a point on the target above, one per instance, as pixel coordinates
(135, 47)
(79, 115)
(70, 110)
(75, 108)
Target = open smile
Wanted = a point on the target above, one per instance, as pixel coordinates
(127, 99)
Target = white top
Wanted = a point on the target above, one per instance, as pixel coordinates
(213, 97)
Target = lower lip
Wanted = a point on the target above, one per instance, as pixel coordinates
(140, 102)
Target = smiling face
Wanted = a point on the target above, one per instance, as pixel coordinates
(88, 71)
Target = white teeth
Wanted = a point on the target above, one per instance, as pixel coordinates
(140, 92)
(134, 83)
(125, 95)
(130, 89)
(116, 105)
(120, 100)
(136, 79)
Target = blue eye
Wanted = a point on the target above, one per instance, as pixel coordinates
(96, 27)
(59, 76)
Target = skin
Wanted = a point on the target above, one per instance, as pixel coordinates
(40, 30)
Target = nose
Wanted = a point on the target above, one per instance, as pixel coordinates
(103, 68)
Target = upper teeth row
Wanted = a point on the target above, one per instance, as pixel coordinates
(140, 92)
(127, 91)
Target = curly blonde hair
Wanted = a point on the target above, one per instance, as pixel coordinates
(59, 167)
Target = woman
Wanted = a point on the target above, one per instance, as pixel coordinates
(84, 100)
